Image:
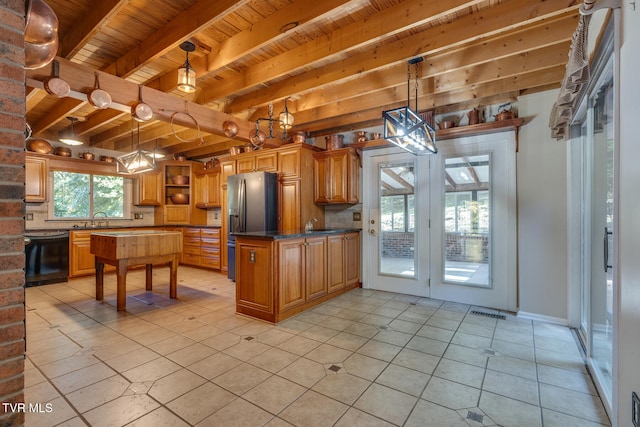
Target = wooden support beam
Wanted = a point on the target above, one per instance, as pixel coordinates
(193, 20)
(485, 23)
(124, 94)
(89, 25)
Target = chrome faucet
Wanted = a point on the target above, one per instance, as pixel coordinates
(308, 227)
(93, 219)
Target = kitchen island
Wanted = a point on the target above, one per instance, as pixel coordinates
(279, 275)
(126, 248)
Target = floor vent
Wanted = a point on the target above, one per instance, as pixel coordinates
(492, 315)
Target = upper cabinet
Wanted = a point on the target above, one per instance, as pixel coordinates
(266, 161)
(336, 176)
(35, 179)
(149, 189)
(207, 188)
(179, 193)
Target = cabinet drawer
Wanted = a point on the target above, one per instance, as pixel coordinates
(212, 243)
(190, 259)
(210, 233)
(189, 249)
(210, 261)
(191, 232)
(194, 241)
(207, 251)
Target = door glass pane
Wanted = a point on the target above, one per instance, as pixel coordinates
(602, 229)
(397, 219)
(467, 220)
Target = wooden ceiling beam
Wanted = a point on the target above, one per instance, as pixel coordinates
(269, 30)
(124, 93)
(60, 111)
(364, 32)
(191, 21)
(90, 24)
(534, 37)
(485, 23)
(538, 59)
(373, 116)
(97, 120)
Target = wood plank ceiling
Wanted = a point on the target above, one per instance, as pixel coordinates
(339, 63)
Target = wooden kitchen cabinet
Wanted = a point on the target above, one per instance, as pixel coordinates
(303, 270)
(201, 247)
(81, 260)
(299, 276)
(254, 279)
(336, 177)
(35, 179)
(178, 213)
(149, 189)
(207, 188)
(343, 262)
(295, 198)
(262, 160)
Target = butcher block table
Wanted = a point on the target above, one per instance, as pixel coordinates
(126, 248)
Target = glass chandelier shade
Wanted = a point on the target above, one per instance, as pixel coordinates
(137, 161)
(285, 118)
(403, 126)
(186, 73)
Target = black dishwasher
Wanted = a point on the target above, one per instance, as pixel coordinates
(46, 257)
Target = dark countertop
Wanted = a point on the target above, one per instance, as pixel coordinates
(276, 235)
(113, 227)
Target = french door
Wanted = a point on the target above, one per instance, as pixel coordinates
(443, 225)
(396, 222)
(473, 221)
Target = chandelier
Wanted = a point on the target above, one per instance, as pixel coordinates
(137, 161)
(404, 127)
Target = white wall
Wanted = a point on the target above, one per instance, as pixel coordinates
(542, 212)
(627, 376)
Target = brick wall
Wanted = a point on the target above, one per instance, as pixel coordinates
(12, 125)
(397, 244)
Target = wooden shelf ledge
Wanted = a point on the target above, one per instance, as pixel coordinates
(455, 132)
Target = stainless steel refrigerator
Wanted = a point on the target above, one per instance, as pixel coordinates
(252, 203)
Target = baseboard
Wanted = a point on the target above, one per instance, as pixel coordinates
(542, 318)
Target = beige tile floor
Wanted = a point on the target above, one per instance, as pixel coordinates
(366, 358)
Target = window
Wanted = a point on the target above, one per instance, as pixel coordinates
(81, 195)
(397, 213)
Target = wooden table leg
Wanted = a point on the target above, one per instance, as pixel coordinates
(149, 277)
(99, 280)
(173, 280)
(121, 272)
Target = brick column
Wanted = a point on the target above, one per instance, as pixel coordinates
(12, 207)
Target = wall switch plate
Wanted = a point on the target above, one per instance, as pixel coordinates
(357, 216)
(140, 215)
(29, 217)
(635, 409)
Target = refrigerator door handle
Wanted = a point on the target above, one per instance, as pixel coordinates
(242, 206)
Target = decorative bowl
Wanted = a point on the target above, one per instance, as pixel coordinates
(180, 199)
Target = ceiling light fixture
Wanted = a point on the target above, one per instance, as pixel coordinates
(69, 136)
(285, 122)
(404, 127)
(137, 161)
(186, 74)
(285, 118)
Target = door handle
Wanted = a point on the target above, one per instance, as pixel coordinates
(607, 233)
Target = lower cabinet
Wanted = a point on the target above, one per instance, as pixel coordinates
(201, 247)
(279, 278)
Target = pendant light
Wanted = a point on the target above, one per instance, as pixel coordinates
(69, 137)
(137, 161)
(285, 118)
(404, 127)
(186, 74)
